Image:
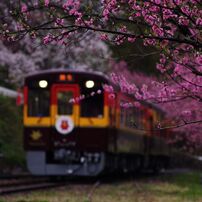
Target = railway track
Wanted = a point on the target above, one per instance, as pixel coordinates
(21, 184)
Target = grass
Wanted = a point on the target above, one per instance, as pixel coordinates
(193, 184)
(166, 188)
(181, 187)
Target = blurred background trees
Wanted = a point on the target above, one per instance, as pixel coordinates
(28, 55)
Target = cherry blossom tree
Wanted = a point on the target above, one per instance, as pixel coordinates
(29, 55)
(173, 26)
(16, 63)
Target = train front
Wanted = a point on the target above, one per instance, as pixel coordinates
(66, 121)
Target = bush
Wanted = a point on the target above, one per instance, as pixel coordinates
(11, 128)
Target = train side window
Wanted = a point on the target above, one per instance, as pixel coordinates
(141, 118)
(127, 117)
(64, 106)
(138, 117)
(131, 118)
(122, 117)
(38, 103)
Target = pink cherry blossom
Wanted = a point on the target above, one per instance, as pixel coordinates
(46, 2)
(24, 8)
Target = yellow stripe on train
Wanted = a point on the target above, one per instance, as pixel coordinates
(78, 121)
(96, 121)
(35, 121)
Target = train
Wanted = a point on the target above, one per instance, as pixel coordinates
(74, 126)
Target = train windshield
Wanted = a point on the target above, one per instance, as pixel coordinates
(64, 106)
(38, 102)
(92, 106)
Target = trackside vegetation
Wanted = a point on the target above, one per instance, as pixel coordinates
(10, 133)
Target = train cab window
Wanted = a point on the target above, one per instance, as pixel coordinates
(64, 106)
(38, 102)
(93, 106)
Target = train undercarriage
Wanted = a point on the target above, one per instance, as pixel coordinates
(67, 162)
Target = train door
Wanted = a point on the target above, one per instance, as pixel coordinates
(65, 108)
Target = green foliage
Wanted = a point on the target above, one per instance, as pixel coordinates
(31, 201)
(11, 131)
(192, 182)
(183, 186)
(86, 200)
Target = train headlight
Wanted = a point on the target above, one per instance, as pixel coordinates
(43, 84)
(82, 159)
(90, 84)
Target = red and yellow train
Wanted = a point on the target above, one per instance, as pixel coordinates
(73, 127)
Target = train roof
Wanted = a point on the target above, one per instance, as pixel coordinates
(8, 92)
(73, 71)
